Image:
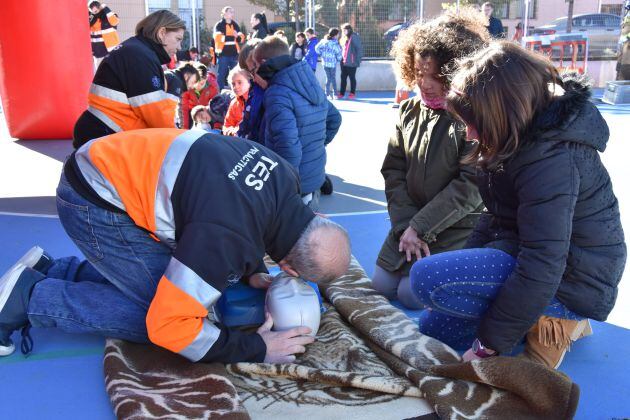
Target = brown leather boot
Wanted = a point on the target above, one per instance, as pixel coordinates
(550, 338)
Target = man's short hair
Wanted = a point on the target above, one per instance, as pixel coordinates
(94, 4)
(310, 31)
(270, 47)
(489, 4)
(305, 256)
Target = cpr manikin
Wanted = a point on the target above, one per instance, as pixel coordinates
(292, 303)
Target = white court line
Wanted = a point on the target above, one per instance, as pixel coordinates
(43, 216)
(356, 213)
(369, 200)
(54, 216)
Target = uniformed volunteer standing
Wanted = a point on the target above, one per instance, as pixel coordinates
(128, 91)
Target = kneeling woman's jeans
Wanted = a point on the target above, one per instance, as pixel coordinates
(459, 287)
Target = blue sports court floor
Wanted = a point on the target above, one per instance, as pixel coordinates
(63, 377)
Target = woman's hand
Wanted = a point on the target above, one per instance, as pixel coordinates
(260, 280)
(410, 244)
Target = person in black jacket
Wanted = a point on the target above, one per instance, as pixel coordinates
(495, 26)
(259, 26)
(128, 91)
(168, 219)
(550, 251)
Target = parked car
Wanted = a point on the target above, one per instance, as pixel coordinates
(602, 29)
(391, 34)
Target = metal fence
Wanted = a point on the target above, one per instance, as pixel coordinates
(376, 21)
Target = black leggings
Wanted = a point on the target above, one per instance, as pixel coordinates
(346, 72)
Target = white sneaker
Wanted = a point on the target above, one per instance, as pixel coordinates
(7, 283)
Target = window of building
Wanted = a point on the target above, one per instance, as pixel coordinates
(615, 9)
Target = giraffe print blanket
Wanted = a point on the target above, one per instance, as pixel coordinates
(369, 362)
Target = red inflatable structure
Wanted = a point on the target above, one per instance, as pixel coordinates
(45, 66)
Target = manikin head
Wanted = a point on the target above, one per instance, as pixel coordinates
(292, 303)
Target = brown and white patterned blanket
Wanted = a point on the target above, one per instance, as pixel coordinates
(369, 362)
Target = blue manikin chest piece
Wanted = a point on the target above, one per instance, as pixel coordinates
(242, 305)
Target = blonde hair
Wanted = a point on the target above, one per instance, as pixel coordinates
(150, 25)
(239, 70)
(225, 9)
(499, 91)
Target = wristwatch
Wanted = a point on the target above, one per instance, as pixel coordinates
(481, 351)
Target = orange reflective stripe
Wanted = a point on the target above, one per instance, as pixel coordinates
(219, 41)
(120, 158)
(111, 40)
(120, 113)
(159, 113)
(174, 319)
(113, 19)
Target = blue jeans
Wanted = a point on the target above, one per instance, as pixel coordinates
(110, 293)
(331, 81)
(459, 287)
(226, 63)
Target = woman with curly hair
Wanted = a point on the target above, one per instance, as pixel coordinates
(432, 199)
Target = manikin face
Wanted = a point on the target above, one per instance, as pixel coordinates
(240, 84)
(292, 303)
(171, 40)
(202, 117)
(427, 78)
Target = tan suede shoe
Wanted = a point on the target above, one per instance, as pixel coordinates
(550, 338)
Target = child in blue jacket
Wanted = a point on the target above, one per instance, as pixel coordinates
(330, 51)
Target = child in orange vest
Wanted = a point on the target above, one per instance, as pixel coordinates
(240, 79)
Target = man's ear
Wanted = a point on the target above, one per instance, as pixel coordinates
(286, 267)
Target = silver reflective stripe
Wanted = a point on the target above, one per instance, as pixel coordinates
(147, 98)
(164, 216)
(104, 31)
(189, 282)
(104, 118)
(97, 40)
(172, 97)
(108, 93)
(95, 178)
(208, 335)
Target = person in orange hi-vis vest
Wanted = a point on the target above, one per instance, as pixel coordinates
(168, 219)
(103, 34)
(227, 36)
(128, 90)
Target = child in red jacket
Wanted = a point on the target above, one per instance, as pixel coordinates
(206, 89)
(240, 79)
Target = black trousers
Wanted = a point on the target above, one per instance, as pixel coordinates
(346, 72)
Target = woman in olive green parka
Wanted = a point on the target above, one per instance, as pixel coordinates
(432, 199)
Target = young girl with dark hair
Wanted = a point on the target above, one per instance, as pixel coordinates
(550, 250)
(259, 26)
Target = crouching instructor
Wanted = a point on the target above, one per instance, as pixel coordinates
(168, 219)
(128, 91)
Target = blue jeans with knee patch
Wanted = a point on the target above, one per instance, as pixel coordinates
(458, 287)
